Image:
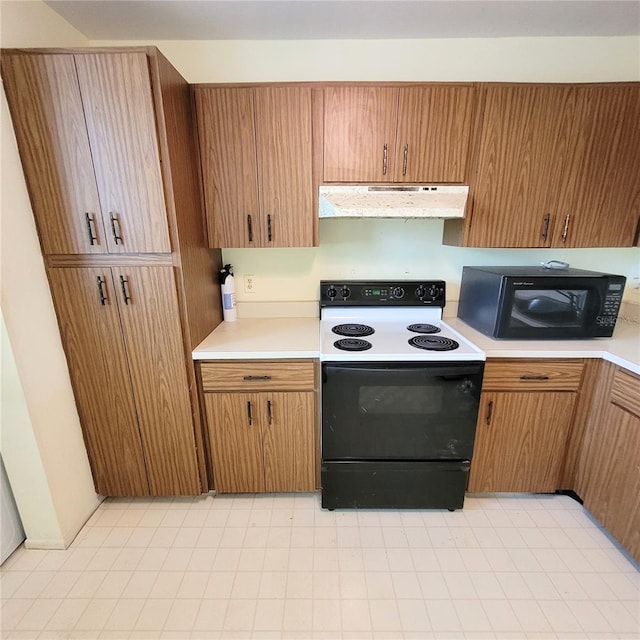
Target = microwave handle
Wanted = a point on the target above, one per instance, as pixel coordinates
(595, 309)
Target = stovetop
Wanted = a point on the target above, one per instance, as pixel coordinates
(388, 321)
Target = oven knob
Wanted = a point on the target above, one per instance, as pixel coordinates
(421, 291)
(397, 292)
(433, 291)
(345, 292)
(332, 292)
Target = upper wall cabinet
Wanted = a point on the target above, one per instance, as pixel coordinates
(257, 165)
(397, 134)
(558, 166)
(600, 193)
(87, 137)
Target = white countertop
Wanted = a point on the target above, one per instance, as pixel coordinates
(262, 338)
(622, 349)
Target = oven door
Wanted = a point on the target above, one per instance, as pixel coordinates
(400, 411)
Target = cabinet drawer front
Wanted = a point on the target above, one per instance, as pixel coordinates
(561, 375)
(242, 376)
(626, 391)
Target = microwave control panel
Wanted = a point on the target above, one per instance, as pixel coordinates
(611, 305)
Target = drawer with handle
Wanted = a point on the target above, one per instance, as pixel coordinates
(528, 374)
(243, 375)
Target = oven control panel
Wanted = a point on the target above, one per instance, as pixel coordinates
(383, 293)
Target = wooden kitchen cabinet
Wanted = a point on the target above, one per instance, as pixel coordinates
(122, 331)
(257, 164)
(601, 188)
(525, 415)
(359, 133)
(86, 131)
(557, 167)
(262, 425)
(108, 146)
(608, 478)
(397, 134)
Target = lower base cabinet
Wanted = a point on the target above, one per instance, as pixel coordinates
(609, 468)
(262, 425)
(526, 412)
(123, 342)
(520, 441)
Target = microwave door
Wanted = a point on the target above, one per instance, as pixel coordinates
(550, 308)
(554, 308)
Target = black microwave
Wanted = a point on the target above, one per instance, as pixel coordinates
(538, 303)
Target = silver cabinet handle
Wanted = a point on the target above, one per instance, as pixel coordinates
(269, 412)
(124, 282)
(101, 293)
(385, 154)
(545, 227)
(565, 230)
(405, 159)
(116, 233)
(93, 238)
(249, 413)
(250, 227)
(489, 413)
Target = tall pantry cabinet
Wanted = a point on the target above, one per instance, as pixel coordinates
(107, 143)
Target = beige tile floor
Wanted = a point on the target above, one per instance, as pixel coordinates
(265, 566)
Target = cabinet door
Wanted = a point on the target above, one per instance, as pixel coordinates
(120, 120)
(434, 128)
(612, 493)
(520, 441)
(601, 186)
(43, 93)
(226, 130)
(284, 152)
(153, 339)
(289, 441)
(359, 133)
(523, 151)
(235, 436)
(87, 310)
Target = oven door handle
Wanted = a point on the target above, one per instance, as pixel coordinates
(436, 372)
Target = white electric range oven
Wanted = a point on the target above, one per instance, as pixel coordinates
(400, 397)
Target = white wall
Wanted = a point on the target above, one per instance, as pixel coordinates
(41, 442)
(459, 59)
(397, 248)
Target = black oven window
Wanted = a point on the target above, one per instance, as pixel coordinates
(548, 308)
(398, 400)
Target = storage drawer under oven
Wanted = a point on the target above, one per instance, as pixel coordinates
(394, 485)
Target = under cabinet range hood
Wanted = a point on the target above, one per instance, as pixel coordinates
(393, 201)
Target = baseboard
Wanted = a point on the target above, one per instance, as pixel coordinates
(571, 494)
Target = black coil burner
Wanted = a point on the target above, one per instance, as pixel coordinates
(353, 330)
(352, 344)
(423, 328)
(433, 343)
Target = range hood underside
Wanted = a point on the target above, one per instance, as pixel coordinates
(410, 201)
